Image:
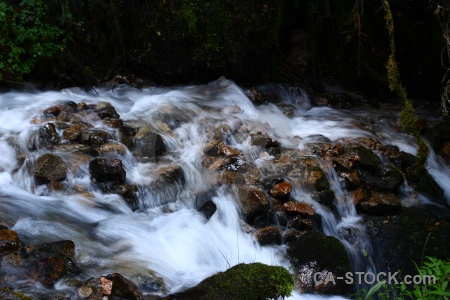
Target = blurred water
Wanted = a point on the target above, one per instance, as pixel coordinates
(180, 246)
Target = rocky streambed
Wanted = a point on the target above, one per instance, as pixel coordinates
(133, 194)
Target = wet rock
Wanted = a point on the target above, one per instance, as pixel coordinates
(264, 141)
(113, 123)
(52, 111)
(421, 180)
(252, 176)
(269, 235)
(438, 135)
(236, 164)
(106, 110)
(341, 99)
(148, 145)
(48, 270)
(73, 133)
(301, 224)
(386, 178)
(243, 281)
(49, 167)
(290, 235)
(367, 159)
(210, 149)
(208, 209)
(352, 179)
(128, 192)
(313, 252)
(371, 202)
(270, 181)
(226, 151)
(405, 239)
(315, 179)
(299, 208)
(253, 202)
(122, 288)
(107, 170)
(170, 175)
(230, 178)
(63, 248)
(127, 132)
(47, 136)
(112, 147)
(9, 241)
(281, 190)
(94, 137)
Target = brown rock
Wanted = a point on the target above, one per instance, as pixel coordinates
(9, 240)
(281, 190)
(122, 288)
(73, 133)
(52, 111)
(253, 202)
(226, 151)
(269, 235)
(107, 170)
(48, 270)
(299, 208)
(49, 167)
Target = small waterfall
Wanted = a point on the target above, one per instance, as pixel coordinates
(165, 232)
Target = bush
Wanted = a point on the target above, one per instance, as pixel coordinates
(26, 38)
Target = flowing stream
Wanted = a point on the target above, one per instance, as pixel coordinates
(167, 234)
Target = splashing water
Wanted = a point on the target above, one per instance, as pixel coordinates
(181, 246)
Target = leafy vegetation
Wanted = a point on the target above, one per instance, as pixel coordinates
(26, 38)
(438, 290)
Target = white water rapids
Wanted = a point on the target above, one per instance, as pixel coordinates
(179, 246)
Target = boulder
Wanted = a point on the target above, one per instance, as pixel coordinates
(281, 190)
(107, 170)
(122, 288)
(48, 168)
(94, 137)
(48, 136)
(263, 140)
(73, 133)
(312, 253)
(48, 270)
(299, 208)
(372, 202)
(106, 110)
(419, 178)
(208, 209)
(244, 281)
(148, 145)
(405, 239)
(269, 235)
(253, 202)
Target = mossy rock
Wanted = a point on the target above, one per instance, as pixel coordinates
(7, 293)
(407, 238)
(314, 252)
(254, 281)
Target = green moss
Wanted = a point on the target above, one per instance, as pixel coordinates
(7, 293)
(254, 281)
(408, 118)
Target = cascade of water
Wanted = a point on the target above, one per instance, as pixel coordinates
(167, 234)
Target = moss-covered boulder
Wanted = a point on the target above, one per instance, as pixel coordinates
(313, 253)
(255, 281)
(407, 238)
